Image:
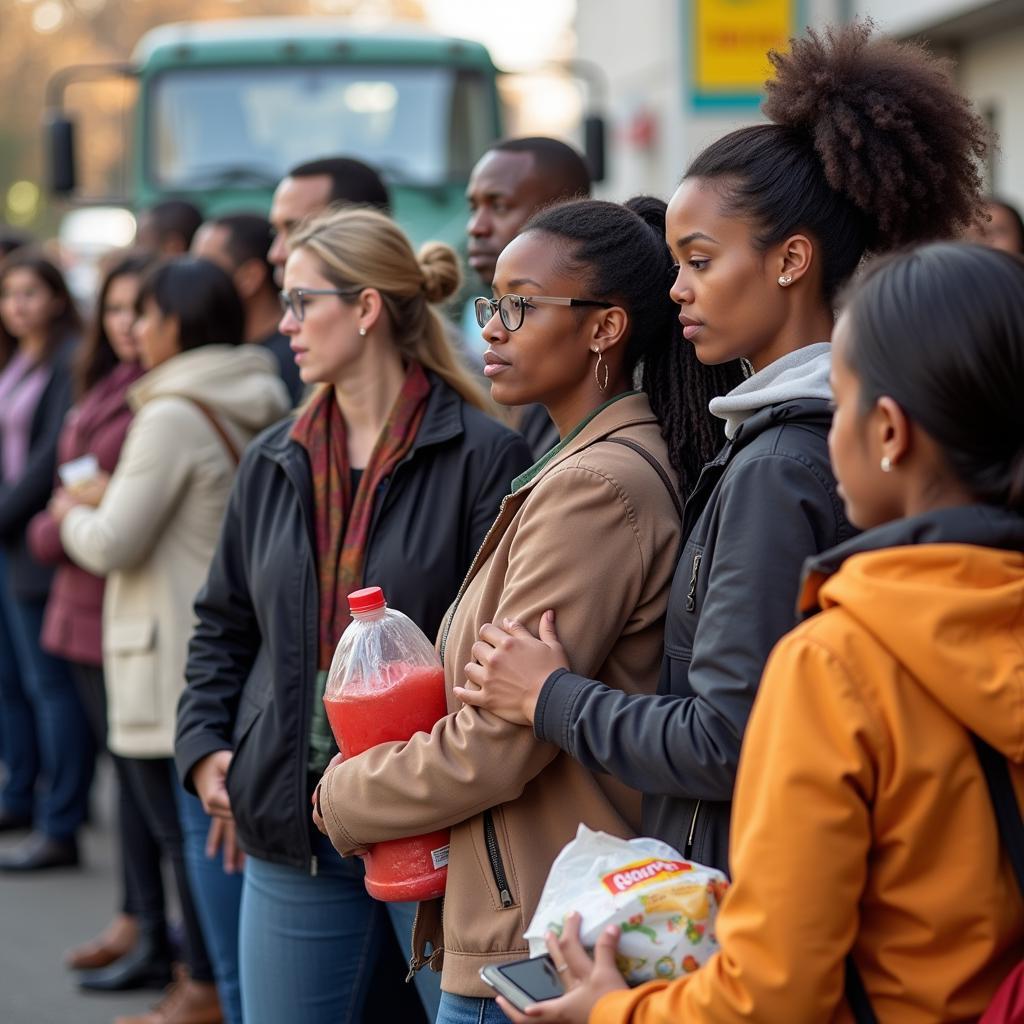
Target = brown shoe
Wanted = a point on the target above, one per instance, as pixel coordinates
(184, 1002)
(111, 944)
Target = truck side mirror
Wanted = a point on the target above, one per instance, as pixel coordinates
(60, 143)
(595, 145)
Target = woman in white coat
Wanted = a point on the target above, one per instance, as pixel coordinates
(153, 534)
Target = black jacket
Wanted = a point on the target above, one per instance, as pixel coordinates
(253, 657)
(21, 499)
(765, 504)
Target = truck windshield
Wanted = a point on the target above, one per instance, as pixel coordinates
(247, 125)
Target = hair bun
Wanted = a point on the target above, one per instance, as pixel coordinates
(441, 273)
(892, 133)
(650, 210)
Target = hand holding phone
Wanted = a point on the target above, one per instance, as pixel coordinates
(524, 982)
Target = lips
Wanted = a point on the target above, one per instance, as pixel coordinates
(481, 258)
(494, 364)
(690, 326)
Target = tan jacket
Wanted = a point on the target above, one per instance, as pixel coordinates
(154, 534)
(594, 535)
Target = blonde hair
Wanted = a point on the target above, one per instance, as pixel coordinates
(362, 247)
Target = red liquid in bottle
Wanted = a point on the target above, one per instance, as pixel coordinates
(410, 700)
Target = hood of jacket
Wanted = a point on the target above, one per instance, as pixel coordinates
(797, 375)
(944, 593)
(239, 383)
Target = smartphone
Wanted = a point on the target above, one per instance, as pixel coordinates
(524, 982)
(79, 470)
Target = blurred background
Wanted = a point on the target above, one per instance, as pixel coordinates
(659, 78)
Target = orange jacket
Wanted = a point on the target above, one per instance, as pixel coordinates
(862, 820)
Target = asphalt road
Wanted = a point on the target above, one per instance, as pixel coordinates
(43, 914)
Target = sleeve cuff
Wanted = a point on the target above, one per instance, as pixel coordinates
(339, 836)
(552, 719)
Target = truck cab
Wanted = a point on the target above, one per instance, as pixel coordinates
(223, 109)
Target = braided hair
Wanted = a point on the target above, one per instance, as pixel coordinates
(620, 256)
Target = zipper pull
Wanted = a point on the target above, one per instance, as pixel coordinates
(506, 898)
(691, 594)
(313, 866)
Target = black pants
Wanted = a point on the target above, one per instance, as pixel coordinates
(142, 885)
(153, 782)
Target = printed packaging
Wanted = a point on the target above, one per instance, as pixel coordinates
(664, 905)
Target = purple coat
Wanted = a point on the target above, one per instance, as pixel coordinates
(72, 627)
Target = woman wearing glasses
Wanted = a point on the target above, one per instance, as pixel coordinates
(593, 529)
(391, 475)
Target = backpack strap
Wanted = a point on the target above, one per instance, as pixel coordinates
(218, 428)
(656, 466)
(1011, 834)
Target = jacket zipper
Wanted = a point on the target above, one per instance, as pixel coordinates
(688, 852)
(691, 594)
(494, 855)
(468, 577)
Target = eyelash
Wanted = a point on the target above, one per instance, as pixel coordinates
(695, 264)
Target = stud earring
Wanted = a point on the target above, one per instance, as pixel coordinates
(886, 464)
(785, 279)
(362, 332)
(601, 379)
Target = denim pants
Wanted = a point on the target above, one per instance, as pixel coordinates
(428, 982)
(469, 1010)
(45, 727)
(309, 945)
(218, 900)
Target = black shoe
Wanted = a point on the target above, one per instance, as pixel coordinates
(146, 965)
(37, 852)
(12, 822)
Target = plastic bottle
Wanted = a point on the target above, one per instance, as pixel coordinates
(386, 683)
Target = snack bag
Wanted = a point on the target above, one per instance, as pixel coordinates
(664, 905)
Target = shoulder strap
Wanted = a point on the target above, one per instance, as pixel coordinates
(656, 466)
(1011, 834)
(229, 445)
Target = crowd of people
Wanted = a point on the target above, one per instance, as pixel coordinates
(715, 507)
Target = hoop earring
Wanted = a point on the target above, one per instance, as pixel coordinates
(602, 384)
(886, 464)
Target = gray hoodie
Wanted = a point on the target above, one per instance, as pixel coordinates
(800, 374)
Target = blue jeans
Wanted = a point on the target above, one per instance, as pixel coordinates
(469, 1010)
(307, 944)
(54, 733)
(218, 901)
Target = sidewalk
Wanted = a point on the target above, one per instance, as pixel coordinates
(43, 914)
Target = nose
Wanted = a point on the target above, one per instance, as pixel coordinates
(479, 225)
(278, 252)
(494, 331)
(289, 323)
(681, 293)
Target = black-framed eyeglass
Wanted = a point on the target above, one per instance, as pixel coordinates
(294, 300)
(512, 308)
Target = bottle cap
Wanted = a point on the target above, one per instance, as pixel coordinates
(366, 600)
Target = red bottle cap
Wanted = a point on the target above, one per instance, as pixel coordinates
(366, 600)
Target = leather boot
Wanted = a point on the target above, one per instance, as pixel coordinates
(146, 965)
(111, 944)
(184, 1002)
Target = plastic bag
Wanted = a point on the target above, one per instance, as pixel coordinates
(664, 905)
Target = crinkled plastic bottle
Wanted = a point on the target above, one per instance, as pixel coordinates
(386, 683)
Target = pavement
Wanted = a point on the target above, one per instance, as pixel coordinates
(44, 913)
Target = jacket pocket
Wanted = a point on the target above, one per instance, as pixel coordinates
(133, 671)
(492, 850)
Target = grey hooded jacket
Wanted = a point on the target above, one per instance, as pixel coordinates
(763, 506)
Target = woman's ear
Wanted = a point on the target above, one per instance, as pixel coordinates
(892, 430)
(794, 259)
(371, 307)
(609, 328)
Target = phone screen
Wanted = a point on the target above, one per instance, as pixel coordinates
(537, 977)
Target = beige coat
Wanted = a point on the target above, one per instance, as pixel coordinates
(595, 536)
(155, 532)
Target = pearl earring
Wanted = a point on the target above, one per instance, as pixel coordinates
(785, 279)
(886, 464)
(362, 332)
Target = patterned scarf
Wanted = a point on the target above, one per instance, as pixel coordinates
(341, 518)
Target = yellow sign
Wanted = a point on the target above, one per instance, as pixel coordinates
(730, 40)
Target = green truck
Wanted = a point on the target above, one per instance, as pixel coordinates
(223, 109)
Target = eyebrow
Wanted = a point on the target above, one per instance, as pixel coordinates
(693, 237)
(524, 280)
